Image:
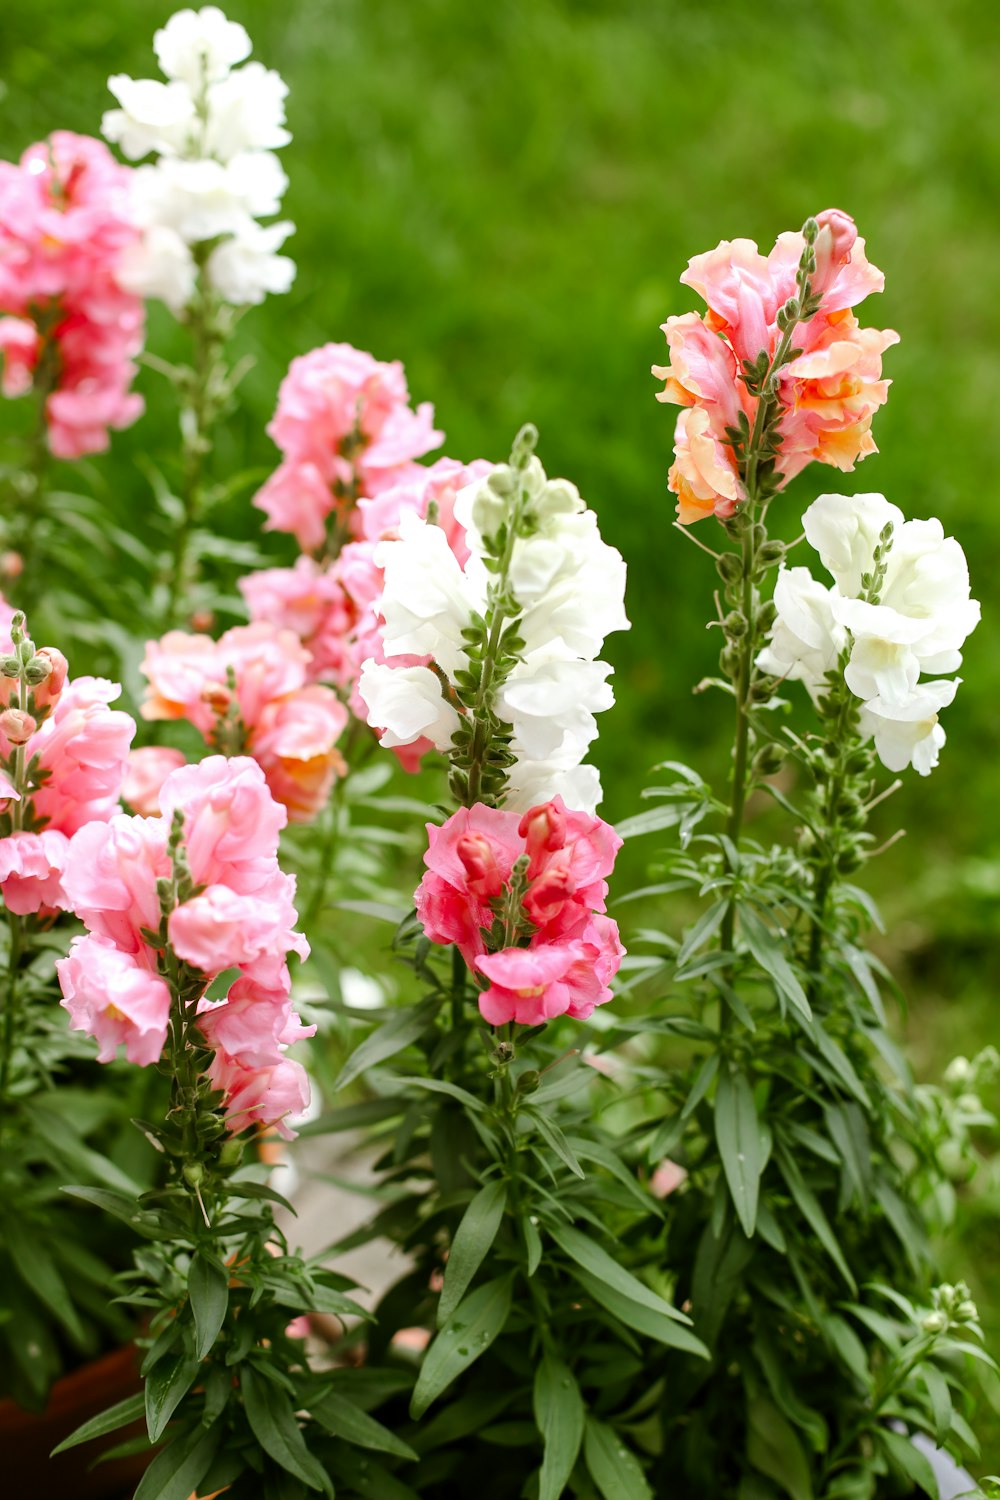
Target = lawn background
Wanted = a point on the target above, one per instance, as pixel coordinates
(503, 196)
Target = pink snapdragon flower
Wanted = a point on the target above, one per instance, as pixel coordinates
(147, 770)
(310, 600)
(75, 748)
(546, 948)
(345, 428)
(241, 914)
(828, 394)
(66, 222)
(249, 692)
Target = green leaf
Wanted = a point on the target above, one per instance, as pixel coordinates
(554, 1137)
(273, 1424)
(179, 1468)
(737, 1131)
(388, 1039)
(559, 1416)
(470, 1331)
(701, 1085)
(39, 1272)
(849, 1133)
(167, 1383)
(347, 1421)
(122, 1208)
(655, 1325)
(598, 1263)
(532, 1245)
(909, 1460)
(119, 1415)
(473, 1238)
(774, 1450)
(813, 1214)
(63, 1139)
(350, 1116)
(208, 1289)
(614, 1468)
(940, 1398)
(702, 930)
(763, 944)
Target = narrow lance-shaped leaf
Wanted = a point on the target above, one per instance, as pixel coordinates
(208, 1289)
(737, 1132)
(273, 1424)
(613, 1467)
(470, 1331)
(765, 947)
(473, 1238)
(388, 1039)
(559, 1414)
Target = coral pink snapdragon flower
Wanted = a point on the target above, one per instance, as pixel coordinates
(249, 693)
(345, 428)
(536, 885)
(66, 221)
(828, 394)
(240, 915)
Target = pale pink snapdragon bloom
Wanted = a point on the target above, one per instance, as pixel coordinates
(240, 915)
(828, 394)
(147, 769)
(345, 428)
(66, 222)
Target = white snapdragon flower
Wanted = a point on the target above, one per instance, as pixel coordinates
(905, 616)
(162, 266)
(246, 266)
(200, 46)
(153, 116)
(806, 640)
(562, 592)
(212, 128)
(844, 530)
(428, 599)
(246, 112)
(909, 734)
(406, 704)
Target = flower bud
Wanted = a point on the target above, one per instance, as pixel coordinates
(529, 1081)
(730, 567)
(768, 760)
(967, 1312)
(36, 671)
(833, 246)
(771, 552)
(194, 1173)
(735, 625)
(10, 666)
(17, 725)
(231, 1153)
(52, 684)
(934, 1322)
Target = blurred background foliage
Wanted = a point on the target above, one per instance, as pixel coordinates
(503, 196)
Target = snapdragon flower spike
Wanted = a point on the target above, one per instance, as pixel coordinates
(214, 128)
(523, 899)
(493, 659)
(71, 327)
(899, 611)
(63, 754)
(778, 372)
(346, 431)
(169, 903)
(249, 693)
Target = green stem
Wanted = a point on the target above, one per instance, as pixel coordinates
(200, 409)
(12, 1009)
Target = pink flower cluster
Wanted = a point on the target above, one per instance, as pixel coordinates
(77, 748)
(249, 692)
(242, 916)
(828, 393)
(558, 952)
(345, 428)
(333, 607)
(65, 221)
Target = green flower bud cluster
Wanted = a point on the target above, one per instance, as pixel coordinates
(952, 1307)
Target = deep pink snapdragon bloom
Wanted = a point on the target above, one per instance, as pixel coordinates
(548, 951)
(249, 691)
(345, 428)
(828, 394)
(241, 915)
(66, 219)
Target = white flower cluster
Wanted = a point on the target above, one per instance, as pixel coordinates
(918, 625)
(213, 128)
(570, 587)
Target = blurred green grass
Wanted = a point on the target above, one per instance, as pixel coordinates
(504, 196)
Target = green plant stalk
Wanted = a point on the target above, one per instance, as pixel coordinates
(832, 828)
(31, 498)
(201, 405)
(18, 945)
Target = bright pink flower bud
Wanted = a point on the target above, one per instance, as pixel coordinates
(17, 725)
(480, 864)
(543, 828)
(834, 243)
(548, 895)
